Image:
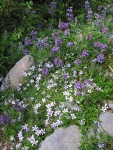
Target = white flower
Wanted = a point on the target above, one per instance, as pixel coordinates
(32, 68)
(35, 128)
(29, 73)
(43, 100)
(28, 84)
(37, 106)
(18, 145)
(25, 148)
(66, 93)
(31, 98)
(48, 87)
(73, 116)
(81, 72)
(43, 92)
(31, 81)
(11, 138)
(70, 99)
(82, 122)
(46, 122)
(57, 113)
(32, 140)
(20, 84)
(25, 127)
(105, 107)
(25, 74)
(42, 132)
(65, 110)
(48, 96)
(20, 136)
(89, 91)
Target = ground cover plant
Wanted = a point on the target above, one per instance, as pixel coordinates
(70, 83)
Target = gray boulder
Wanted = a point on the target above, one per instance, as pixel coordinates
(106, 119)
(63, 139)
(105, 126)
(15, 75)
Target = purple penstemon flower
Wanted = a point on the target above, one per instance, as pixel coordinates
(57, 62)
(25, 52)
(55, 35)
(87, 82)
(105, 30)
(70, 14)
(103, 46)
(33, 33)
(100, 58)
(69, 44)
(27, 41)
(79, 85)
(63, 25)
(45, 71)
(17, 106)
(55, 49)
(5, 119)
(101, 145)
(100, 45)
(89, 10)
(52, 8)
(58, 41)
(84, 54)
(66, 32)
(97, 44)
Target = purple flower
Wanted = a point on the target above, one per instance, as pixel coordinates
(52, 8)
(66, 32)
(103, 46)
(69, 44)
(101, 145)
(70, 14)
(105, 30)
(86, 82)
(17, 106)
(84, 54)
(100, 45)
(57, 62)
(99, 8)
(89, 10)
(45, 71)
(63, 25)
(54, 35)
(5, 119)
(25, 52)
(100, 58)
(79, 85)
(55, 49)
(33, 33)
(66, 75)
(58, 41)
(97, 44)
(27, 41)
(87, 6)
